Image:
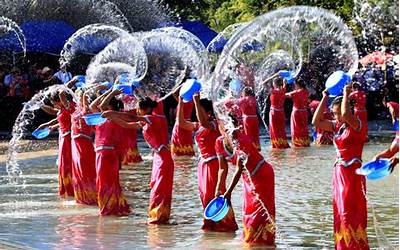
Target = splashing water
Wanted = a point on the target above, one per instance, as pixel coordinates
(90, 39)
(9, 27)
(25, 117)
(124, 55)
(288, 38)
(168, 55)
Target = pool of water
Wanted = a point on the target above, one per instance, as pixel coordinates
(34, 217)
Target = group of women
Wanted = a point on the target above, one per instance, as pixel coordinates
(90, 172)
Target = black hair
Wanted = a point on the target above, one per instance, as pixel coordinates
(55, 97)
(356, 85)
(235, 121)
(300, 82)
(248, 91)
(337, 101)
(278, 81)
(147, 102)
(116, 104)
(207, 105)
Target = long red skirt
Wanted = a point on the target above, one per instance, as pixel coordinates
(162, 176)
(182, 142)
(349, 208)
(251, 129)
(258, 227)
(277, 129)
(207, 174)
(111, 200)
(65, 187)
(131, 154)
(299, 128)
(84, 171)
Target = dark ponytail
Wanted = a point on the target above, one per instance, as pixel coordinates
(147, 102)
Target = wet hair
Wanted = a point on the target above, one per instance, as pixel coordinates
(207, 105)
(116, 104)
(337, 101)
(248, 91)
(356, 85)
(278, 81)
(55, 97)
(300, 83)
(147, 102)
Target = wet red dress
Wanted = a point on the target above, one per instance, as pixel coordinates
(111, 200)
(182, 139)
(130, 152)
(248, 108)
(65, 187)
(83, 160)
(207, 174)
(277, 119)
(259, 199)
(162, 174)
(349, 202)
(322, 137)
(299, 118)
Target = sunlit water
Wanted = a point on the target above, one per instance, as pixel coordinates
(41, 220)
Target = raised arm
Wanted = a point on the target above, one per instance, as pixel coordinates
(200, 113)
(94, 106)
(347, 115)
(270, 78)
(49, 110)
(181, 119)
(106, 101)
(318, 118)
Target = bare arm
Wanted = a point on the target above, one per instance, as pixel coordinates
(318, 118)
(270, 78)
(106, 101)
(49, 110)
(222, 174)
(72, 82)
(48, 124)
(125, 116)
(347, 115)
(125, 124)
(181, 120)
(63, 98)
(200, 113)
(94, 105)
(235, 179)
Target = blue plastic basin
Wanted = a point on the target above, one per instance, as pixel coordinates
(336, 82)
(94, 119)
(287, 75)
(189, 88)
(217, 209)
(79, 84)
(396, 125)
(127, 89)
(41, 133)
(235, 86)
(375, 170)
(81, 78)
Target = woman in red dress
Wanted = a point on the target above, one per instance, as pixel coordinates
(163, 166)
(111, 200)
(64, 106)
(299, 117)
(258, 183)
(83, 157)
(360, 99)
(182, 139)
(277, 115)
(349, 201)
(248, 107)
(322, 137)
(206, 134)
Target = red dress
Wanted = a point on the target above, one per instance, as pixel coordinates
(130, 152)
(159, 113)
(299, 118)
(277, 119)
(349, 202)
(207, 173)
(83, 160)
(162, 174)
(182, 139)
(323, 137)
(395, 107)
(248, 108)
(111, 200)
(259, 224)
(359, 106)
(65, 187)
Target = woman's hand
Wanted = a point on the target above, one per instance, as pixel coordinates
(228, 196)
(347, 90)
(196, 96)
(54, 127)
(42, 126)
(108, 114)
(393, 162)
(217, 193)
(325, 93)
